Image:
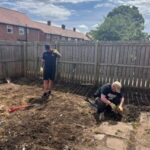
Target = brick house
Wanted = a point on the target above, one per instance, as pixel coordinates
(16, 26)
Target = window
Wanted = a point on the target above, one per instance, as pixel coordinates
(9, 29)
(21, 31)
(48, 36)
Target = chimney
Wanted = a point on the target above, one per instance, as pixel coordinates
(74, 29)
(49, 23)
(63, 26)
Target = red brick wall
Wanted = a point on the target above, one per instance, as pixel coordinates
(33, 35)
(42, 36)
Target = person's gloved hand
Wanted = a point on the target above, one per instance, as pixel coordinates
(41, 69)
(120, 109)
(113, 106)
(56, 52)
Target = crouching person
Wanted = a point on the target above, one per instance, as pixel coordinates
(109, 98)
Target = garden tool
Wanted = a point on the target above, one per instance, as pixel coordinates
(21, 107)
(91, 102)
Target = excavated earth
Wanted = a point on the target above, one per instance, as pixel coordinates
(66, 120)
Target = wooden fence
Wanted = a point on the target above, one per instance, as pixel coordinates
(98, 63)
(11, 59)
(82, 62)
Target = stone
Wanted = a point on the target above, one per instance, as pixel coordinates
(116, 143)
(99, 136)
(121, 130)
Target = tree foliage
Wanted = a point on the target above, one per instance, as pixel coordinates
(123, 23)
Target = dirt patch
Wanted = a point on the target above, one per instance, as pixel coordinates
(131, 113)
(57, 124)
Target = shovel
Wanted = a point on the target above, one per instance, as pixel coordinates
(21, 107)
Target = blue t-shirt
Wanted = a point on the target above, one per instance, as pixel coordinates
(107, 91)
(49, 59)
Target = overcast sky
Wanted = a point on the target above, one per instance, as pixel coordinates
(82, 14)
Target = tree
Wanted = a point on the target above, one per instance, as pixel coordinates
(123, 23)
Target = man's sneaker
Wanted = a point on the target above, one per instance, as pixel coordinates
(45, 95)
(49, 92)
(101, 117)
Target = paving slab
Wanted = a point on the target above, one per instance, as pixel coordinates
(120, 130)
(116, 143)
(143, 132)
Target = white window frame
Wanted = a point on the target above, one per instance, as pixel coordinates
(21, 31)
(9, 27)
(48, 36)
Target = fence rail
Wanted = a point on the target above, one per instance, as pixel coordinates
(82, 62)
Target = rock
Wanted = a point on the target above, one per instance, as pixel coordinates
(116, 143)
(99, 136)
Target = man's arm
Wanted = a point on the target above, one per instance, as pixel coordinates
(105, 100)
(55, 51)
(122, 102)
(120, 107)
(42, 63)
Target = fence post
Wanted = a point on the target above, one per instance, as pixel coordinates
(24, 57)
(57, 62)
(96, 64)
(36, 59)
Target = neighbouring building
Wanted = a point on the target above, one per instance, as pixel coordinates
(16, 26)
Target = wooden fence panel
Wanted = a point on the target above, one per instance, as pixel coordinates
(11, 59)
(76, 62)
(81, 62)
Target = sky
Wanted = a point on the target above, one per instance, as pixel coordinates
(84, 15)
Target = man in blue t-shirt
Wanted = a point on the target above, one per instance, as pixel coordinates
(49, 69)
(109, 97)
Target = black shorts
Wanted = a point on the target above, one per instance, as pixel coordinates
(49, 74)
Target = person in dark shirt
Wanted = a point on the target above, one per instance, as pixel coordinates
(109, 97)
(49, 69)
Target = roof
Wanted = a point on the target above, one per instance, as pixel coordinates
(14, 17)
(59, 31)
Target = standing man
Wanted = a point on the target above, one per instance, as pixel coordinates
(109, 98)
(49, 69)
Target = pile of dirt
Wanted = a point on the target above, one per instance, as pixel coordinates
(56, 124)
(131, 113)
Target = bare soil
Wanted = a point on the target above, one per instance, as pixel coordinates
(56, 124)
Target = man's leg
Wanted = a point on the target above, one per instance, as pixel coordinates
(50, 86)
(45, 83)
(115, 115)
(51, 81)
(46, 87)
(101, 106)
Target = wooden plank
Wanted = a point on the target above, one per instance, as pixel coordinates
(147, 57)
(138, 63)
(142, 63)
